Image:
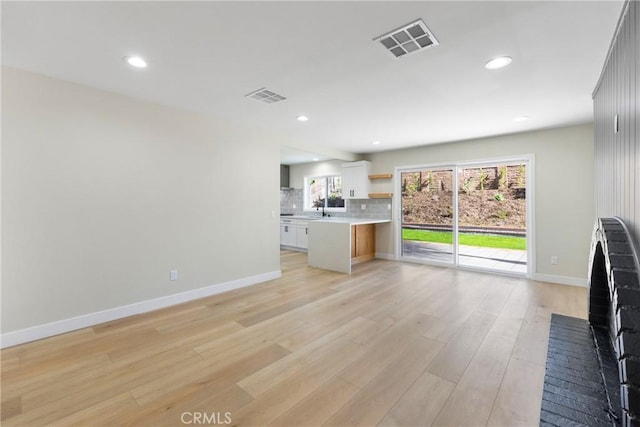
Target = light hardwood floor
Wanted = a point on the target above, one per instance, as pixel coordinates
(393, 344)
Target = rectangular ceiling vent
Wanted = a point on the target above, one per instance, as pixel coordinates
(266, 96)
(410, 38)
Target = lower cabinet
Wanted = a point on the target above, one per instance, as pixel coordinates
(287, 234)
(302, 235)
(363, 242)
(294, 234)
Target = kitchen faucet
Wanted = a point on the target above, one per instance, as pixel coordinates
(323, 214)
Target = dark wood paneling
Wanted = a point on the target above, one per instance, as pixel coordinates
(617, 154)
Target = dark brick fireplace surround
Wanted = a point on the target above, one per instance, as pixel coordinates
(592, 375)
(614, 308)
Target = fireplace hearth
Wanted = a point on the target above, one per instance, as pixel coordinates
(593, 367)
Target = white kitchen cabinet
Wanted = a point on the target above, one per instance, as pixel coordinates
(294, 233)
(355, 180)
(288, 232)
(302, 235)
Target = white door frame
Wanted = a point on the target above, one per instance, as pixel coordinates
(528, 159)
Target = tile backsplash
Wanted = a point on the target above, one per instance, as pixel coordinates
(375, 208)
(291, 201)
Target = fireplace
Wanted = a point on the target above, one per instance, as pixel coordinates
(592, 374)
(614, 314)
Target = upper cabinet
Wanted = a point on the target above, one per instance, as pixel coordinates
(355, 180)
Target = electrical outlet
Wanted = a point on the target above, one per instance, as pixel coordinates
(554, 260)
(363, 206)
(389, 207)
(294, 206)
(173, 275)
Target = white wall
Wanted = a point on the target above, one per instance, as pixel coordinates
(297, 173)
(564, 168)
(103, 195)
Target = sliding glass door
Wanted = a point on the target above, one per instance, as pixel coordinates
(478, 220)
(492, 217)
(427, 214)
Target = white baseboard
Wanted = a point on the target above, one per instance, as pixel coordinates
(293, 248)
(550, 278)
(61, 326)
(561, 280)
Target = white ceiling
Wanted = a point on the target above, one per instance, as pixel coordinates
(205, 56)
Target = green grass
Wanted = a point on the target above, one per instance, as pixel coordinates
(469, 239)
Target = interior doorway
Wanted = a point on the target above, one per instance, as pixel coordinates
(479, 220)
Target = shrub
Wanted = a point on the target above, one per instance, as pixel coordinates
(411, 186)
(502, 214)
(466, 185)
(335, 201)
(499, 197)
(483, 178)
(521, 175)
(502, 177)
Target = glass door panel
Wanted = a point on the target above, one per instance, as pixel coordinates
(492, 217)
(427, 218)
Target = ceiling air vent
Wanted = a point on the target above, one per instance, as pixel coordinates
(266, 96)
(410, 38)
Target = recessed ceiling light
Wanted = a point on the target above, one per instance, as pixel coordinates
(521, 118)
(302, 118)
(315, 159)
(135, 61)
(376, 142)
(499, 62)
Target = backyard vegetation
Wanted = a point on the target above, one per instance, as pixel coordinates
(490, 200)
(469, 239)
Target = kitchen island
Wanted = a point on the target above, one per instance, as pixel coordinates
(338, 243)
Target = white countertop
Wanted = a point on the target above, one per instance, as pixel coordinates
(298, 218)
(353, 221)
(337, 219)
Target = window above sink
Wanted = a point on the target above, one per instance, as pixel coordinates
(324, 191)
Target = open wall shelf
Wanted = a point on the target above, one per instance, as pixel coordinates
(381, 176)
(380, 195)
